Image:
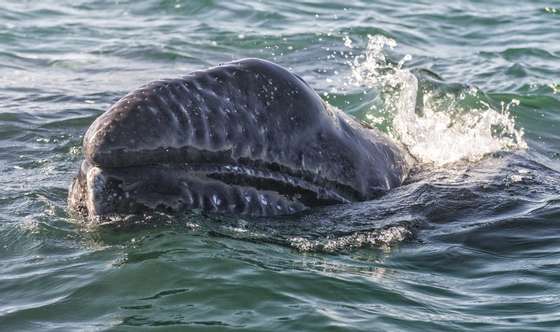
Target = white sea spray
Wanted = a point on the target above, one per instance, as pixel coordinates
(441, 133)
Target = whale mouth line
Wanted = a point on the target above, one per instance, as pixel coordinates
(310, 188)
(310, 191)
(205, 174)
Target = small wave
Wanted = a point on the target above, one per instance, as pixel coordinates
(384, 238)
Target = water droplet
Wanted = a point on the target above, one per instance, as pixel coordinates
(216, 200)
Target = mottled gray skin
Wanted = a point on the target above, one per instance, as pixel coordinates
(247, 137)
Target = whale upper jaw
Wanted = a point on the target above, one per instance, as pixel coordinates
(247, 137)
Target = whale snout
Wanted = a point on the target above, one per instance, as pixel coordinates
(247, 137)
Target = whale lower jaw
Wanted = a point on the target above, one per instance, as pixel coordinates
(229, 189)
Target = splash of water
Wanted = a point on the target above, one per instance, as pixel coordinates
(435, 129)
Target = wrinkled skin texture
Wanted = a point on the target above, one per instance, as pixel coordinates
(247, 137)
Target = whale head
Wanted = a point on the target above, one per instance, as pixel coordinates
(247, 137)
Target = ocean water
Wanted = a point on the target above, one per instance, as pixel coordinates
(471, 242)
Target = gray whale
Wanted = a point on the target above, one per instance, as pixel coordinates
(246, 137)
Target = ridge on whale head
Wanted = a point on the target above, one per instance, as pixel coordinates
(246, 137)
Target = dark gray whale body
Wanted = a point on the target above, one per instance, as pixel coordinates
(247, 137)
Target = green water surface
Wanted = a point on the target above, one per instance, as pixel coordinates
(484, 247)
